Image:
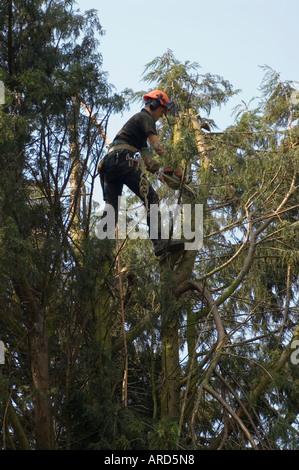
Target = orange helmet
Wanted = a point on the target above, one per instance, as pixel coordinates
(160, 98)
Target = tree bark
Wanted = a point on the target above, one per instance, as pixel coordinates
(170, 394)
(39, 361)
(76, 175)
(178, 274)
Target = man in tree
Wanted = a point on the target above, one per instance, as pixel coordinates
(120, 166)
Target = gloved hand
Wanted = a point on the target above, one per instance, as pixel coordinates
(178, 172)
(168, 170)
(153, 167)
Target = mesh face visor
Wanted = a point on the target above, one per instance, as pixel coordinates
(170, 106)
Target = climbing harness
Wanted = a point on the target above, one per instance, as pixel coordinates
(115, 148)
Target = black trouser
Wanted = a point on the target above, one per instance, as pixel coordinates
(120, 170)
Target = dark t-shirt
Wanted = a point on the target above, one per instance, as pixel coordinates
(137, 129)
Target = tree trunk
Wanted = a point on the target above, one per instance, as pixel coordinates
(170, 401)
(76, 174)
(170, 394)
(39, 361)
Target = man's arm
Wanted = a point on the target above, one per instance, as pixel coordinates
(151, 164)
(155, 142)
(154, 166)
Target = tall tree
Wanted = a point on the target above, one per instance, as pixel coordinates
(237, 294)
(49, 63)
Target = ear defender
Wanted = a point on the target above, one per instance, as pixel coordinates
(156, 102)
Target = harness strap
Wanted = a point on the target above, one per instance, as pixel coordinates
(114, 148)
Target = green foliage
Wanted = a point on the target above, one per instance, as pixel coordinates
(164, 436)
(186, 86)
(60, 296)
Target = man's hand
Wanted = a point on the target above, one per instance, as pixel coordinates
(153, 166)
(178, 172)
